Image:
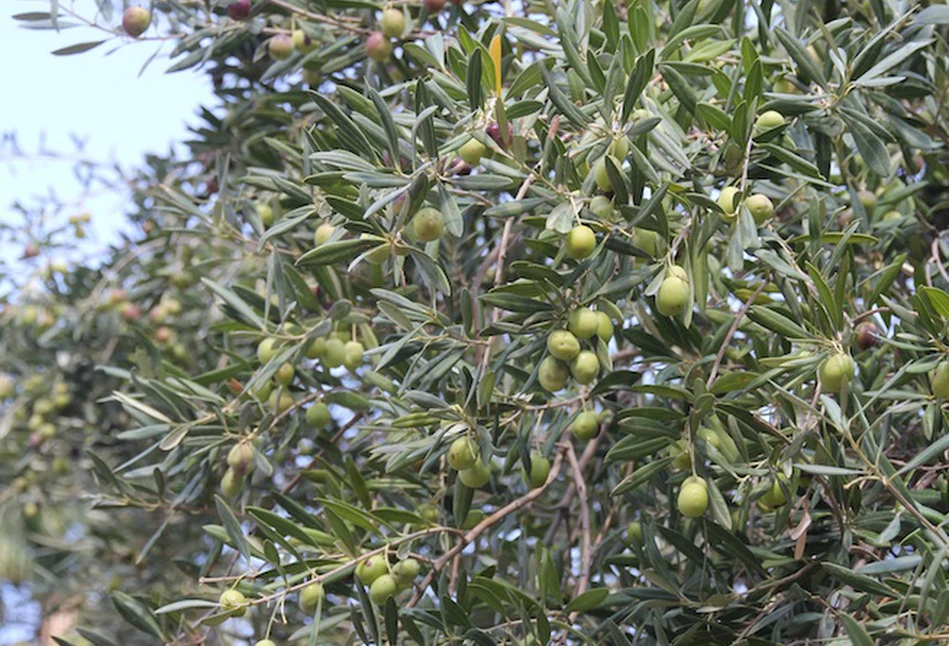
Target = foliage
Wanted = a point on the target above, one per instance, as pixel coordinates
(257, 393)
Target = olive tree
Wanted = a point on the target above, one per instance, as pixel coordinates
(502, 323)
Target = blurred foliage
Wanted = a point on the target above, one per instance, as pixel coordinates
(521, 323)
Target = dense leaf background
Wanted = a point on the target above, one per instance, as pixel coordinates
(128, 380)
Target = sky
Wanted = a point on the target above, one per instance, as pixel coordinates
(97, 96)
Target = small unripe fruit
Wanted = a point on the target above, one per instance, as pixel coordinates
(319, 415)
(312, 77)
(334, 355)
(604, 326)
(583, 322)
(693, 498)
(317, 348)
(378, 47)
(310, 597)
(634, 532)
(580, 242)
(233, 602)
(729, 202)
(585, 367)
(649, 241)
(585, 425)
(601, 176)
(284, 375)
(892, 216)
(769, 120)
(354, 354)
(265, 213)
(281, 402)
(939, 380)
(404, 572)
(392, 23)
(266, 642)
(382, 589)
(602, 207)
(428, 224)
(472, 151)
(429, 512)
(371, 569)
(673, 296)
(866, 336)
(868, 200)
(619, 147)
(563, 345)
(475, 476)
(241, 458)
(553, 374)
(280, 47)
(135, 21)
(836, 371)
(540, 469)
(775, 496)
(238, 10)
(323, 233)
(266, 350)
(302, 42)
(760, 207)
(462, 454)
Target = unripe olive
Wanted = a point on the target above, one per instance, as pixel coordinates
(462, 454)
(601, 176)
(729, 202)
(377, 255)
(540, 469)
(585, 367)
(319, 415)
(475, 476)
(693, 498)
(382, 589)
(553, 374)
(310, 597)
(354, 354)
(673, 296)
(323, 233)
(392, 22)
(939, 380)
(428, 224)
(602, 207)
(266, 350)
(266, 642)
(585, 425)
(302, 42)
(836, 371)
(892, 216)
(649, 241)
(241, 458)
(284, 375)
(472, 151)
(281, 402)
(775, 496)
(311, 76)
(619, 147)
(563, 345)
(378, 47)
(604, 326)
(280, 47)
(316, 349)
(868, 200)
(334, 354)
(265, 213)
(634, 532)
(135, 21)
(371, 569)
(580, 242)
(583, 322)
(760, 207)
(429, 512)
(769, 120)
(404, 572)
(233, 602)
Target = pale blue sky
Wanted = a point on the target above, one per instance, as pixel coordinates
(97, 96)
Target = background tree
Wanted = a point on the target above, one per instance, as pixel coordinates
(511, 323)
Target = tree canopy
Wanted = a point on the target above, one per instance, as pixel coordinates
(568, 322)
